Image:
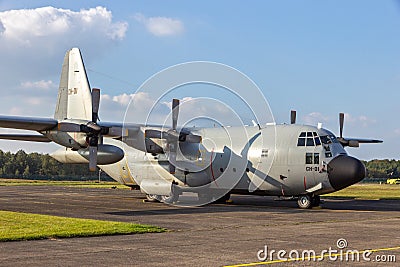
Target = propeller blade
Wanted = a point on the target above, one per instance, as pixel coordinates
(341, 123)
(95, 104)
(175, 113)
(293, 117)
(92, 158)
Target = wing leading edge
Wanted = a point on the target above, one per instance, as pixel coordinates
(27, 123)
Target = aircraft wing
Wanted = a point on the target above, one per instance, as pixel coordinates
(27, 123)
(25, 137)
(130, 126)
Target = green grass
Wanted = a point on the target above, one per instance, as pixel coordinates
(86, 184)
(16, 226)
(369, 191)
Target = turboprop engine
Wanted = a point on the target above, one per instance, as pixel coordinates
(106, 154)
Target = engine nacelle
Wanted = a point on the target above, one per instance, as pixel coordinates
(106, 154)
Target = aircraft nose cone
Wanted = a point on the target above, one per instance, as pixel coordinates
(344, 171)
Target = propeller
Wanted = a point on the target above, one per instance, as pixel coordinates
(94, 136)
(293, 117)
(172, 136)
(352, 142)
(93, 131)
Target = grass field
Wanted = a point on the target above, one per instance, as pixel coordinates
(369, 191)
(88, 184)
(16, 226)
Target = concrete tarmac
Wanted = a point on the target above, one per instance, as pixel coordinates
(214, 235)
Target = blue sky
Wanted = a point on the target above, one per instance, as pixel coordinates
(318, 57)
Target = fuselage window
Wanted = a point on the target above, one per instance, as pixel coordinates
(316, 158)
(309, 158)
(312, 158)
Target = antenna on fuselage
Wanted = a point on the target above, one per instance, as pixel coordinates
(293, 117)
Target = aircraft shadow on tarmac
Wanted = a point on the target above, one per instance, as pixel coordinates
(269, 204)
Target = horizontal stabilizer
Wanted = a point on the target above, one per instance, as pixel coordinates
(27, 123)
(25, 137)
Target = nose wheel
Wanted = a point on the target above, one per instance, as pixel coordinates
(308, 201)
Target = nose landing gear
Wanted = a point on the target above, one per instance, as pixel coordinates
(308, 201)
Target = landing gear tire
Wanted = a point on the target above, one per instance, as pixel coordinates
(316, 201)
(305, 202)
(152, 198)
(169, 199)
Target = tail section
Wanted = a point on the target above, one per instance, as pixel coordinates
(74, 96)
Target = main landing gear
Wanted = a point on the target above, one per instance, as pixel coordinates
(308, 201)
(166, 199)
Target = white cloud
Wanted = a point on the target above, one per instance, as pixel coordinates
(34, 101)
(360, 120)
(28, 27)
(161, 26)
(315, 117)
(123, 99)
(34, 41)
(42, 84)
(2, 29)
(144, 107)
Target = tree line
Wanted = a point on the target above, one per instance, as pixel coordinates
(383, 168)
(41, 166)
(36, 165)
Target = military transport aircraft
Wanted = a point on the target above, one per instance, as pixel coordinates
(301, 161)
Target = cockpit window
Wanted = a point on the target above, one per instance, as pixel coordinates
(301, 142)
(308, 139)
(325, 139)
(317, 141)
(328, 139)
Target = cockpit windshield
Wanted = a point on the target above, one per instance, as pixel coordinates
(308, 139)
(328, 139)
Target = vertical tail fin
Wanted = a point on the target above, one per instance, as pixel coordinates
(74, 99)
